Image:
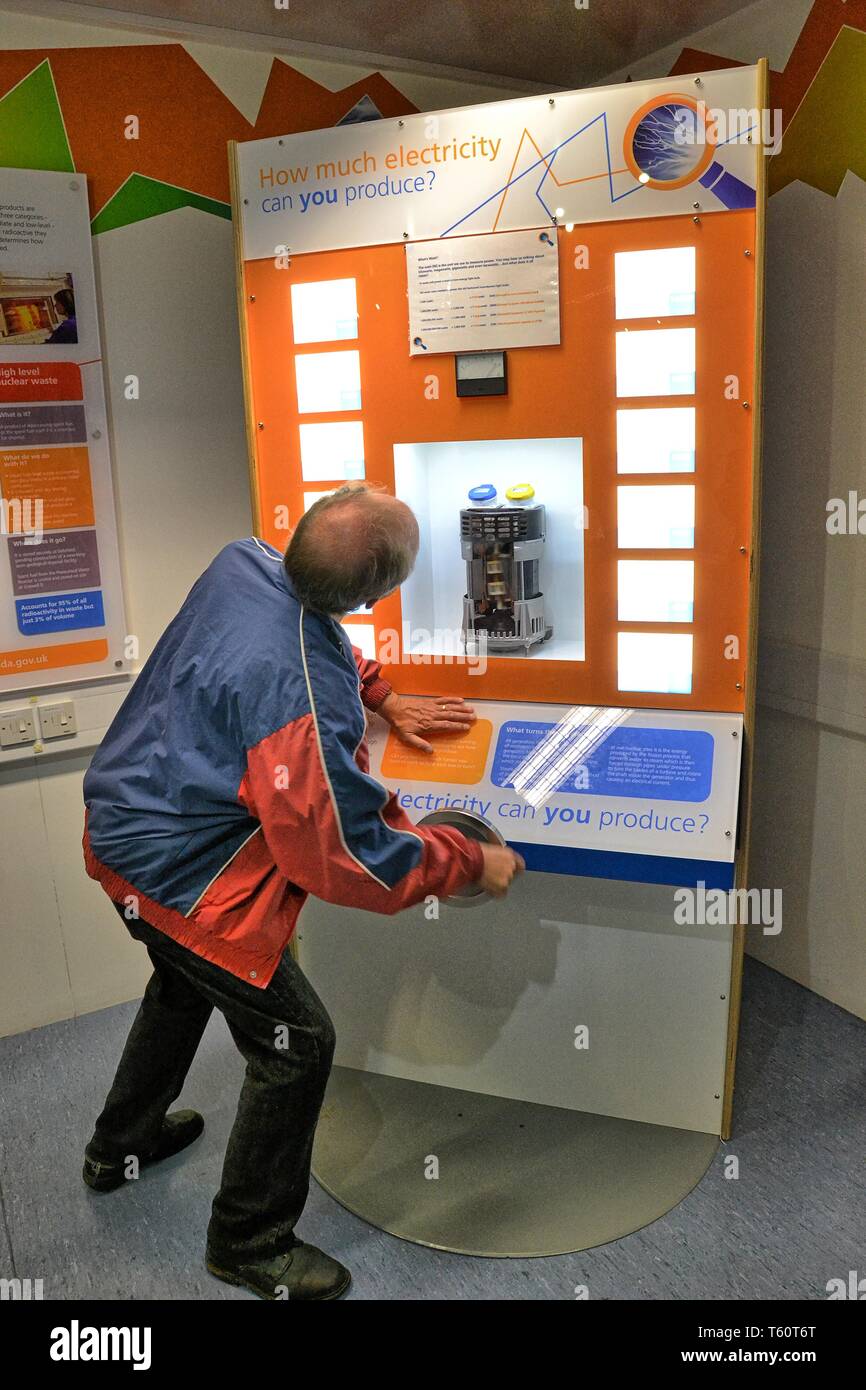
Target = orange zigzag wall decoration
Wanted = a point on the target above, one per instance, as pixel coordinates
(823, 24)
(186, 120)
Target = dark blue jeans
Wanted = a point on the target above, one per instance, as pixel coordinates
(287, 1039)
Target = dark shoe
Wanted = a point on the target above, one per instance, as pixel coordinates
(178, 1130)
(304, 1274)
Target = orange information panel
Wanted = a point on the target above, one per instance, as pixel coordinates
(34, 660)
(60, 477)
(634, 432)
(456, 758)
(40, 381)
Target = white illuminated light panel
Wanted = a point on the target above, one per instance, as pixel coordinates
(656, 440)
(655, 362)
(655, 284)
(655, 662)
(332, 451)
(363, 636)
(324, 311)
(656, 518)
(656, 591)
(311, 498)
(328, 381)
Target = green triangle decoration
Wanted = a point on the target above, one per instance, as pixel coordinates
(139, 197)
(32, 133)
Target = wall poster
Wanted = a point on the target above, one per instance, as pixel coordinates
(61, 602)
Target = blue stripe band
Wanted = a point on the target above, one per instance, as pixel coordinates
(634, 868)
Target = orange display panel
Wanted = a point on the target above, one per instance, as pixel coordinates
(568, 391)
(459, 759)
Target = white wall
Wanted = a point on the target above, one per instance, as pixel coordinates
(167, 289)
(810, 816)
(809, 825)
(181, 487)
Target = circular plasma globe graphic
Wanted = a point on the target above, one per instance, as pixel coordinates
(668, 142)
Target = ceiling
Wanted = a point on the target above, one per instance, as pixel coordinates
(549, 42)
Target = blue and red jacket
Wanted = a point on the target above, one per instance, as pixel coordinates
(235, 778)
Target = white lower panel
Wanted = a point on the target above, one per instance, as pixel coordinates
(488, 998)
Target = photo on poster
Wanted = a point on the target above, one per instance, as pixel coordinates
(37, 310)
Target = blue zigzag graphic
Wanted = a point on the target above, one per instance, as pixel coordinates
(544, 162)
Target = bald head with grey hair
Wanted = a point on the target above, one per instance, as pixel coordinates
(351, 548)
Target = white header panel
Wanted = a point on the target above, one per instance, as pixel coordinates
(663, 783)
(640, 149)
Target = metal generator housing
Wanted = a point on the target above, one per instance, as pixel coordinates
(503, 605)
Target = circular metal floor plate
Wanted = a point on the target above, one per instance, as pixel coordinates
(514, 1178)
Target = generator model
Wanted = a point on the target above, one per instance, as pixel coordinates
(503, 607)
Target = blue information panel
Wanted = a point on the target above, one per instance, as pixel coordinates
(60, 612)
(669, 764)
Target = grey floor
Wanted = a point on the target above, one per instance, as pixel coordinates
(791, 1220)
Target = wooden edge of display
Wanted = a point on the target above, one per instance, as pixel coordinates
(237, 236)
(751, 679)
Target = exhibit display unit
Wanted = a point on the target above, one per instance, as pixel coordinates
(537, 322)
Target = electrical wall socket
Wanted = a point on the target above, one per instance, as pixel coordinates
(17, 726)
(58, 721)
